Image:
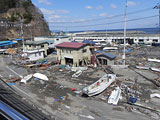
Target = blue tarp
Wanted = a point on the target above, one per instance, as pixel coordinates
(8, 43)
(11, 83)
(5, 42)
(129, 50)
(18, 39)
(98, 51)
(11, 43)
(75, 41)
(89, 42)
(54, 52)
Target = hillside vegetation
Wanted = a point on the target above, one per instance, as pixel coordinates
(16, 11)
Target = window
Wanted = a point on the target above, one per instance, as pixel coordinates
(35, 54)
(141, 40)
(62, 50)
(155, 40)
(57, 39)
(29, 45)
(70, 51)
(84, 50)
(39, 53)
(42, 46)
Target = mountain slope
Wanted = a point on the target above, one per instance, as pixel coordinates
(13, 12)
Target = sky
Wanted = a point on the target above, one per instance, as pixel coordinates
(77, 15)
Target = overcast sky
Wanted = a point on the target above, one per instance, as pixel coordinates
(88, 14)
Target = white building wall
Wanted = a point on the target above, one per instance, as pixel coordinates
(36, 56)
(56, 40)
(147, 40)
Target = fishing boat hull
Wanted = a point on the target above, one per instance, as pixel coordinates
(41, 76)
(100, 85)
(155, 69)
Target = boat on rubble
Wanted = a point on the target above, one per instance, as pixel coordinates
(115, 96)
(154, 60)
(26, 78)
(155, 69)
(142, 67)
(100, 85)
(77, 74)
(40, 76)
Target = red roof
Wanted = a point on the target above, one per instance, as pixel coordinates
(71, 45)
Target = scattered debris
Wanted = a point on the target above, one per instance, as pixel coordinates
(87, 116)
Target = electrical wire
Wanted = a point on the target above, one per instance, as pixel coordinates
(98, 19)
(111, 22)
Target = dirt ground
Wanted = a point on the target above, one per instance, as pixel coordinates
(58, 98)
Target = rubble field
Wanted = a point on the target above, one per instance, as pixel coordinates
(61, 95)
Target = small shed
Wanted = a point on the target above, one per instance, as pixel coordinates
(106, 58)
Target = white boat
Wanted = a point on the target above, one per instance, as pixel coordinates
(26, 78)
(41, 76)
(100, 85)
(110, 48)
(79, 68)
(155, 69)
(77, 74)
(115, 96)
(142, 67)
(154, 60)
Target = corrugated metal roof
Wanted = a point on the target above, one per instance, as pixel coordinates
(71, 45)
(36, 42)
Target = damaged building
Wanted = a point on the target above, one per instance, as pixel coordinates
(106, 58)
(77, 54)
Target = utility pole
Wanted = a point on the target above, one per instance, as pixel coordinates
(22, 33)
(158, 7)
(124, 54)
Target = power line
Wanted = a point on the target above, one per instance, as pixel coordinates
(111, 22)
(97, 19)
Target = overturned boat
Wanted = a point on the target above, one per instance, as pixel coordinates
(154, 60)
(40, 76)
(155, 69)
(100, 85)
(142, 67)
(77, 74)
(26, 78)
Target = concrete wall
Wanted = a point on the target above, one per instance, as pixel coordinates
(36, 56)
(147, 40)
(76, 55)
(56, 40)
